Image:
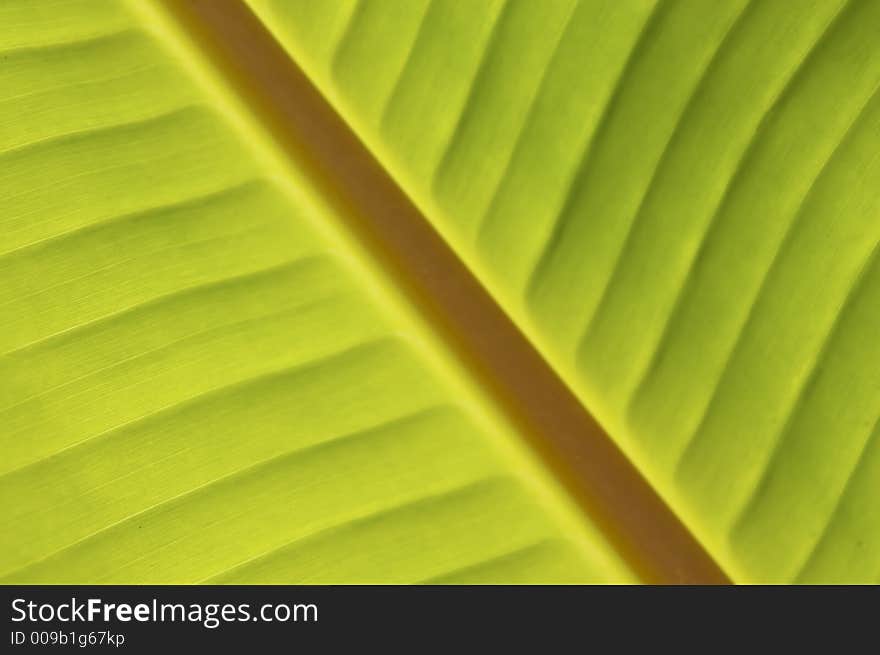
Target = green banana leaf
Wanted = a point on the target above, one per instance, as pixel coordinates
(200, 379)
(679, 201)
(205, 377)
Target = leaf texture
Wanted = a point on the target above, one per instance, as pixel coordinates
(679, 201)
(200, 378)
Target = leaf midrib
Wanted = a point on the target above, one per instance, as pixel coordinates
(468, 321)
